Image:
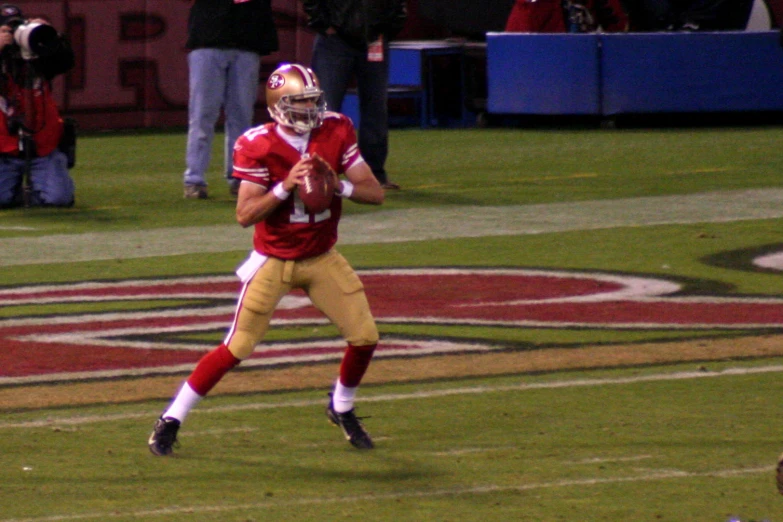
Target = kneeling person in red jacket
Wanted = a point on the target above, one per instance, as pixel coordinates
(30, 124)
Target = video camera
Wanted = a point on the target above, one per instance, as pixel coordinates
(34, 38)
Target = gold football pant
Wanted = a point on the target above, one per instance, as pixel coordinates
(329, 281)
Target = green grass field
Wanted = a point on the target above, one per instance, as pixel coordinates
(693, 441)
(604, 445)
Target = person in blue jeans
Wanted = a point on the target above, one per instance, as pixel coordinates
(227, 39)
(50, 183)
(33, 170)
(353, 42)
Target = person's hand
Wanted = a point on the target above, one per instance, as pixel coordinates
(6, 36)
(297, 173)
(321, 165)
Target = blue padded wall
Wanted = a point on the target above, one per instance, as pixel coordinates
(691, 72)
(609, 74)
(542, 74)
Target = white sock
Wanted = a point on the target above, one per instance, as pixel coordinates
(185, 400)
(343, 397)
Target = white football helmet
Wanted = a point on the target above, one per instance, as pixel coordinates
(288, 90)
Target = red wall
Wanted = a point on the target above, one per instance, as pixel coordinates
(131, 58)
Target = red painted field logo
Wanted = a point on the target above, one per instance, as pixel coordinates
(164, 339)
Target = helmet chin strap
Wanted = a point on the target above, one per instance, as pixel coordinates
(301, 127)
(294, 130)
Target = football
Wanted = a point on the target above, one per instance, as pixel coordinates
(317, 188)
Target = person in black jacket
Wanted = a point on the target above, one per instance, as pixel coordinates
(227, 39)
(353, 40)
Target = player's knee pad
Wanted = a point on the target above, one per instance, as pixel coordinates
(241, 343)
(364, 333)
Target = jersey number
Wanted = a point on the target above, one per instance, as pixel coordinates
(300, 215)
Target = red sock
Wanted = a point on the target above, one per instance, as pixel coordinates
(211, 368)
(355, 363)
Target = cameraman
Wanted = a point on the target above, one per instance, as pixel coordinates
(33, 170)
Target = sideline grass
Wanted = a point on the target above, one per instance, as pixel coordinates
(128, 181)
(674, 449)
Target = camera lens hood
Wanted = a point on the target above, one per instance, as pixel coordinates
(36, 39)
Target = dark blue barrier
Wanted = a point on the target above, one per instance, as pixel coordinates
(691, 72)
(542, 74)
(634, 73)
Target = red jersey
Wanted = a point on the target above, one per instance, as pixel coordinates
(262, 156)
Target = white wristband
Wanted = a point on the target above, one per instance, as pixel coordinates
(346, 189)
(280, 193)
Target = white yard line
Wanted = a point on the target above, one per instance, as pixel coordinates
(599, 460)
(419, 224)
(472, 390)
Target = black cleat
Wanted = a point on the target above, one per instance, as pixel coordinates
(163, 436)
(779, 474)
(352, 428)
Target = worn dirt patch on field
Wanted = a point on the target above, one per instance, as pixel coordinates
(396, 370)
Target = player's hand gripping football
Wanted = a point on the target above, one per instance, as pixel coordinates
(322, 168)
(317, 186)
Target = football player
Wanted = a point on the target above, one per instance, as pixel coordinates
(291, 247)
